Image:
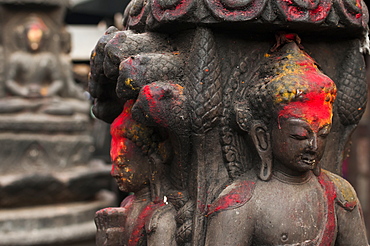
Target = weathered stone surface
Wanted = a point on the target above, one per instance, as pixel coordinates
(62, 223)
(28, 153)
(77, 183)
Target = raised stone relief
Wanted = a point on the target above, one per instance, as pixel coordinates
(139, 159)
(257, 101)
(287, 111)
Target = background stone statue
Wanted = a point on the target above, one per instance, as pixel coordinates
(49, 186)
(35, 79)
(186, 63)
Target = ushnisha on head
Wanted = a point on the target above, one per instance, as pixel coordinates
(136, 152)
(35, 31)
(288, 111)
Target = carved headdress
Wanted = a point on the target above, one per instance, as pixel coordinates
(288, 84)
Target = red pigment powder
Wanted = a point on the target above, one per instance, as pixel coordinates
(116, 130)
(330, 227)
(314, 109)
(236, 197)
(139, 230)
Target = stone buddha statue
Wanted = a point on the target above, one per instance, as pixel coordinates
(146, 217)
(35, 78)
(287, 199)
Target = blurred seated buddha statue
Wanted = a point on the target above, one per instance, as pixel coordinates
(35, 80)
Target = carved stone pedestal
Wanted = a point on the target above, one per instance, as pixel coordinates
(59, 224)
(40, 143)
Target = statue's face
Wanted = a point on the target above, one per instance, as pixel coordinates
(297, 145)
(131, 167)
(34, 37)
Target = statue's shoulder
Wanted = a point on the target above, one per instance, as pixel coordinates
(161, 225)
(234, 195)
(19, 56)
(345, 194)
(161, 213)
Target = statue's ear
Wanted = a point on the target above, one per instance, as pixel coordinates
(260, 136)
(156, 170)
(262, 141)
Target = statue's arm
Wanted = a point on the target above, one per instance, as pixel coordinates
(161, 229)
(351, 227)
(350, 222)
(54, 87)
(11, 85)
(110, 223)
(56, 84)
(231, 227)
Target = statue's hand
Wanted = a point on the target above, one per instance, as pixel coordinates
(110, 224)
(34, 91)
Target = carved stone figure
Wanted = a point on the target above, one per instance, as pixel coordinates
(186, 64)
(35, 79)
(145, 218)
(287, 112)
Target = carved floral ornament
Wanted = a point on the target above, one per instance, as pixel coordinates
(335, 14)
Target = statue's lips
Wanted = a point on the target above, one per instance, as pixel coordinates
(309, 161)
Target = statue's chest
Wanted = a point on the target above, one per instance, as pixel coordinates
(37, 65)
(290, 214)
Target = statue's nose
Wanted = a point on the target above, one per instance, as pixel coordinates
(312, 144)
(114, 171)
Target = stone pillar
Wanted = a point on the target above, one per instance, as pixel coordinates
(197, 94)
(358, 167)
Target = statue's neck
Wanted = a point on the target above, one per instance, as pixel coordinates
(143, 194)
(296, 179)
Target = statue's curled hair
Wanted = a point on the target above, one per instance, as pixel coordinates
(288, 84)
